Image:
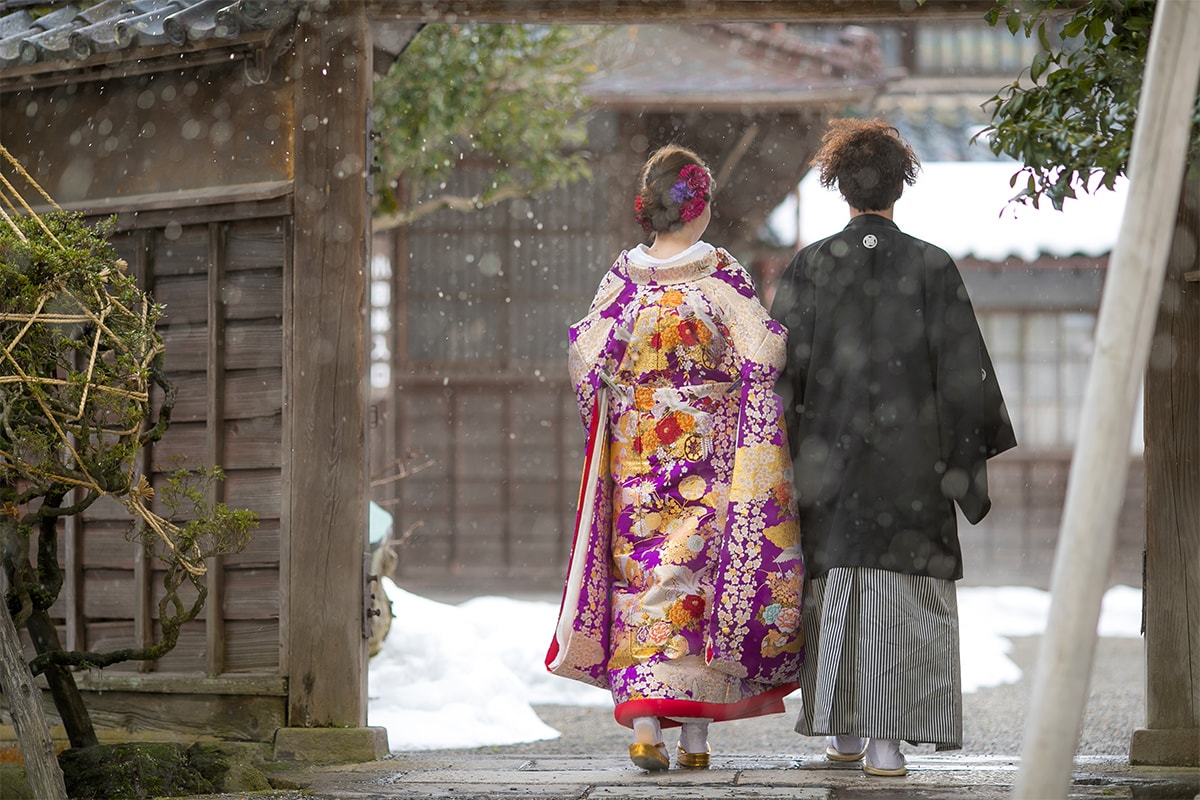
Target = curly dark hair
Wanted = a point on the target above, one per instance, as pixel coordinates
(656, 210)
(868, 161)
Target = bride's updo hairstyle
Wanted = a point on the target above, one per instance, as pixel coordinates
(673, 189)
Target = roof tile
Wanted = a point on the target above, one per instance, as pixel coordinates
(147, 28)
(71, 33)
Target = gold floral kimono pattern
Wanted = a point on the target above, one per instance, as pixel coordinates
(683, 596)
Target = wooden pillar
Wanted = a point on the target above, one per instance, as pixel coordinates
(325, 475)
(1171, 591)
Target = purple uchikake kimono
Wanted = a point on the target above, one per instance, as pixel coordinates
(684, 587)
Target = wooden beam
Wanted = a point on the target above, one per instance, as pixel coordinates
(214, 620)
(180, 683)
(675, 11)
(325, 387)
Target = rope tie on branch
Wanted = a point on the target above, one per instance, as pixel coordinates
(113, 383)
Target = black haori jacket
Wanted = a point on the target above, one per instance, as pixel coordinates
(891, 403)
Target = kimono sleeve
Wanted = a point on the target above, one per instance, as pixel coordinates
(973, 422)
(754, 630)
(792, 308)
(592, 342)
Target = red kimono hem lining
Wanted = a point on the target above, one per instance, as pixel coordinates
(770, 702)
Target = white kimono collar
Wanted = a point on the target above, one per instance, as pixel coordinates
(696, 262)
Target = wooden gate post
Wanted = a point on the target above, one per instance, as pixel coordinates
(325, 470)
(1171, 594)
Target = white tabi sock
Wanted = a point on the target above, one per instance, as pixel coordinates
(647, 730)
(885, 754)
(693, 737)
(847, 744)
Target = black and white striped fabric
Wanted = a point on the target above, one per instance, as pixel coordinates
(882, 658)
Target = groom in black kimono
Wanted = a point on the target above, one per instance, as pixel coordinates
(892, 409)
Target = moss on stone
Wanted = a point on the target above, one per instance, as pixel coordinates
(141, 771)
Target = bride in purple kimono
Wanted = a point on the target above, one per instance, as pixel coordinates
(684, 586)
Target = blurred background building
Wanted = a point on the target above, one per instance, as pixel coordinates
(477, 443)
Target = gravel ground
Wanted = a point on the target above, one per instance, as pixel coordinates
(993, 719)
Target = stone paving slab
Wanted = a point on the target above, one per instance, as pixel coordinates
(557, 777)
(749, 792)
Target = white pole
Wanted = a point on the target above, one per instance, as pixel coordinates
(1128, 310)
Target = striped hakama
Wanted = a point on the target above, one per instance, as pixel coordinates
(882, 657)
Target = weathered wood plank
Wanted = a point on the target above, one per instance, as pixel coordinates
(180, 251)
(263, 548)
(249, 344)
(252, 443)
(190, 206)
(254, 344)
(256, 244)
(253, 294)
(106, 545)
(181, 445)
(249, 393)
(185, 346)
(185, 297)
(252, 646)
(258, 490)
(251, 594)
(327, 517)
(132, 716)
(110, 635)
(218, 308)
(168, 683)
(108, 594)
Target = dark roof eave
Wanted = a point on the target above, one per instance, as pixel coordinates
(669, 101)
(131, 61)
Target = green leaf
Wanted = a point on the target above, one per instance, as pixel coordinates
(1043, 36)
(1137, 23)
(1074, 27)
(1040, 62)
(1075, 122)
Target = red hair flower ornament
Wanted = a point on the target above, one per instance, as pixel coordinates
(639, 213)
(691, 192)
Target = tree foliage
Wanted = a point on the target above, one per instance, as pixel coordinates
(80, 359)
(1069, 117)
(505, 94)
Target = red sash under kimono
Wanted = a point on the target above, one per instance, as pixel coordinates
(684, 587)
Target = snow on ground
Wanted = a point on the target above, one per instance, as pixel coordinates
(467, 675)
